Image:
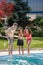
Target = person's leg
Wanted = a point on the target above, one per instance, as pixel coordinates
(9, 49)
(22, 50)
(10, 41)
(28, 46)
(28, 49)
(9, 46)
(19, 50)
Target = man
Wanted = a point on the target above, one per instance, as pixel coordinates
(10, 35)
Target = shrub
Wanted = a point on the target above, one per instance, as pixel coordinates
(37, 34)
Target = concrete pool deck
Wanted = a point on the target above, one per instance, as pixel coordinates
(3, 53)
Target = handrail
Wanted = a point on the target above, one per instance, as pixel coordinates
(7, 37)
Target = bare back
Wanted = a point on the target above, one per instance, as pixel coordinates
(10, 32)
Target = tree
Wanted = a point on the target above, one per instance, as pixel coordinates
(38, 21)
(41, 22)
(6, 9)
(19, 15)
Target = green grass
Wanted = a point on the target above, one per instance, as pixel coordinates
(37, 42)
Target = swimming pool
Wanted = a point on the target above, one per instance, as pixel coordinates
(32, 59)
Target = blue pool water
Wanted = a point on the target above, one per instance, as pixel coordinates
(32, 59)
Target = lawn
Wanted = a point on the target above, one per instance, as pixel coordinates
(37, 42)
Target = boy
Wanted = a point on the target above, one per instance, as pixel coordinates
(20, 39)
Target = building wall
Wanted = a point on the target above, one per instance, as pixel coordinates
(36, 5)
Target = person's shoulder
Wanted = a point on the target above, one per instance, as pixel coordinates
(9, 29)
(30, 34)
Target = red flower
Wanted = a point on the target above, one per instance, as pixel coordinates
(6, 8)
(2, 13)
(1, 6)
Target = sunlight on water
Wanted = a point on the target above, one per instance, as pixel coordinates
(32, 59)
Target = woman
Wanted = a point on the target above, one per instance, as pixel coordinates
(28, 35)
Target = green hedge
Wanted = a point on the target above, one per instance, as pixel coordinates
(37, 34)
(1, 25)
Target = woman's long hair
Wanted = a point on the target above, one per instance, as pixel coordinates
(28, 29)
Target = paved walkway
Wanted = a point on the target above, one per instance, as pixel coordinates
(2, 53)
